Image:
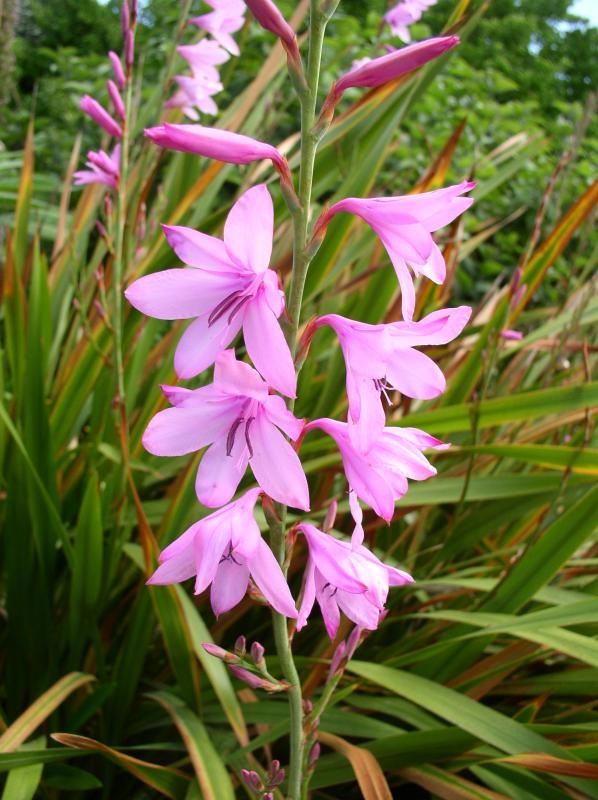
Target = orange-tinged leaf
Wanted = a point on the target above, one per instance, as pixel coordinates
(41, 709)
(367, 770)
(168, 781)
(541, 762)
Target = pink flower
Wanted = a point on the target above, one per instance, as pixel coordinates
(404, 225)
(387, 68)
(233, 148)
(378, 475)
(226, 18)
(228, 287)
(203, 57)
(195, 91)
(100, 116)
(269, 17)
(225, 549)
(404, 14)
(345, 578)
(241, 421)
(379, 358)
(103, 168)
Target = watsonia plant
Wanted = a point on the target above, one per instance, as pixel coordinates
(468, 689)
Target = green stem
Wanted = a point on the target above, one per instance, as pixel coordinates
(301, 261)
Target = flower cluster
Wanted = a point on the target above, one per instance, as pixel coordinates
(196, 91)
(104, 168)
(227, 288)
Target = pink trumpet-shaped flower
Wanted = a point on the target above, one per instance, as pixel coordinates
(342, 577)
(379, 358)
(404, 14)
(242, 422)
(99, 115)
(226, 18)
(378, 475)
(269, 17)
(387, 68)
(225, 549)
(103, 168)
(233, 148)
(228, 287)
(404, 225)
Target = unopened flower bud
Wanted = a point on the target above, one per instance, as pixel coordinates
(516, 280)
(129, 49)
(338, 659)
(257, 654)
(117, 100)
(518, 295)
(314, 755)
(221, 653)
(117, 69)
(275, 774)
(240, 647)
(257, 682)
(253, 780)
(511, 335)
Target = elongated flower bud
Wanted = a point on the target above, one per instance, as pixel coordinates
(117, 69)
(117, 100)
(270, 18)
(99, 114)
(386, 68)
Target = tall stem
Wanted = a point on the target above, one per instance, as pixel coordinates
(301, 260)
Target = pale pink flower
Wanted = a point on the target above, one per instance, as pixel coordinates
(404, 14)
(100, 116)
(203, 57)
(378, 475)
(233, 148)
(241, 421)
(228, 287)
(103, 168)
(225, 549)
(386, 68)
(404, 224)
(195, 91)
(226, 18)
(347, 578)
(382, 358)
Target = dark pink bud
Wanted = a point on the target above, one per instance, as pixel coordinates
(117, 100)
(214, 650)
(391, 66)
(275, 774)
(125, 17)
(518, 295)
(129, 49)
(117, 69)
(314, 755)
(240, 647)
(257, 655)
(253, 780)
(330, 516)
(270, 18)
(99, 115)
(338, 659)
(515, 336)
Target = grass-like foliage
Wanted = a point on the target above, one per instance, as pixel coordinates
(481, 682)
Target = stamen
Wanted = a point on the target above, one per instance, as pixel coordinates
(230, 439)
(237, 308)
(247, 440)
(229, 556)
(223, 306)
(382, 386)
(333, 591)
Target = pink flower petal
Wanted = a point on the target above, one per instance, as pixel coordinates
(198, 249)
(276, 465)
(219, 474)
(201, 343)
(249, 229)
(229, 585)
(177, 431)
(178, 293)
(267, 346)
(268, 576)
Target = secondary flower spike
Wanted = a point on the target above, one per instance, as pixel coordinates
(225, 549)
(242, 422)
(227, 286)
(379, 475)
(347, 578)
(382, 358)
(404, 224)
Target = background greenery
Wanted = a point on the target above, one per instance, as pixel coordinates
(481, 683)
